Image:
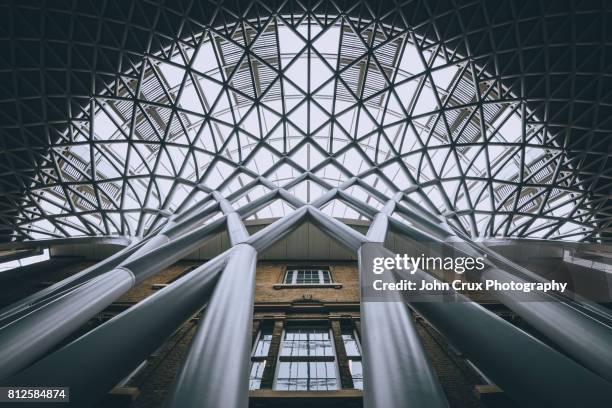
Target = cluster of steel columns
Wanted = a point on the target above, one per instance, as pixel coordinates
(396, 369)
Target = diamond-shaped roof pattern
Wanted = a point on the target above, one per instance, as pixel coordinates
(494, 115)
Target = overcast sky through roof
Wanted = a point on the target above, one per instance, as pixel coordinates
(335, 99)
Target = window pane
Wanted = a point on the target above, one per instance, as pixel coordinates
(307, 342)
(310, 343)
(292, 376)
(307, 276)
(351, 346)
(289, 277)
(357, 373)
(260, 352)
(262, 347)
(326, 277)
(322, 344)
(322, 376)
(350, 343)
(257, 369)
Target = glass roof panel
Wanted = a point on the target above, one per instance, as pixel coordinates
(338, 101)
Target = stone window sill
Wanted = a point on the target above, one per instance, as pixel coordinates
(308, 285)
(292, 395)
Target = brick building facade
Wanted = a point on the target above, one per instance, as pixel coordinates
(280, 308)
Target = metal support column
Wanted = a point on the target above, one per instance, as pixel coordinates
(510, 356)
(30, 337)
(92, 364)
(181, 223)
(219, 356)
(27, 305)
(531, 372)
(560, 322)
(557, 318)
(396, 371)
(216, 370)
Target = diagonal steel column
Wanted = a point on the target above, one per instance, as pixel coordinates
(142, 333)
(340, 231)
(266, 237)
(257, 204)
(559, 318)
(216, 370)
(219, 355)
(396, 371)
(532, 373)
(60, 288)
(505, 364)
(181, 223)
(235, 228)
(95, 362)
(390, 390)
(26, 340)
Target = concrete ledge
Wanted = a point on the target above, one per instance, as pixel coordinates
(306, 399)
(492, 396)
(125, 392)
(346, 393)
(120, 397)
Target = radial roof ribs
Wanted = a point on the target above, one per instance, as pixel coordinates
(502, 135)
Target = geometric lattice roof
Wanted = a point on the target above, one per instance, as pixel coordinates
(234, 96)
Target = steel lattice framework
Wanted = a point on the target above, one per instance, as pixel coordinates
(308, 99)
(303, 113)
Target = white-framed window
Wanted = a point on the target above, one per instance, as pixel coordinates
(353, 353)
(259, 356)
(307, 360)
(305, 276)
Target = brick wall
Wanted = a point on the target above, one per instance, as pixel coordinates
(456, 378)
(145, 288)
(269, 274)
(155, 380)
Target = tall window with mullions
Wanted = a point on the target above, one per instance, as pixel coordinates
(353, 353)
(307, 360)
(258, 357)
